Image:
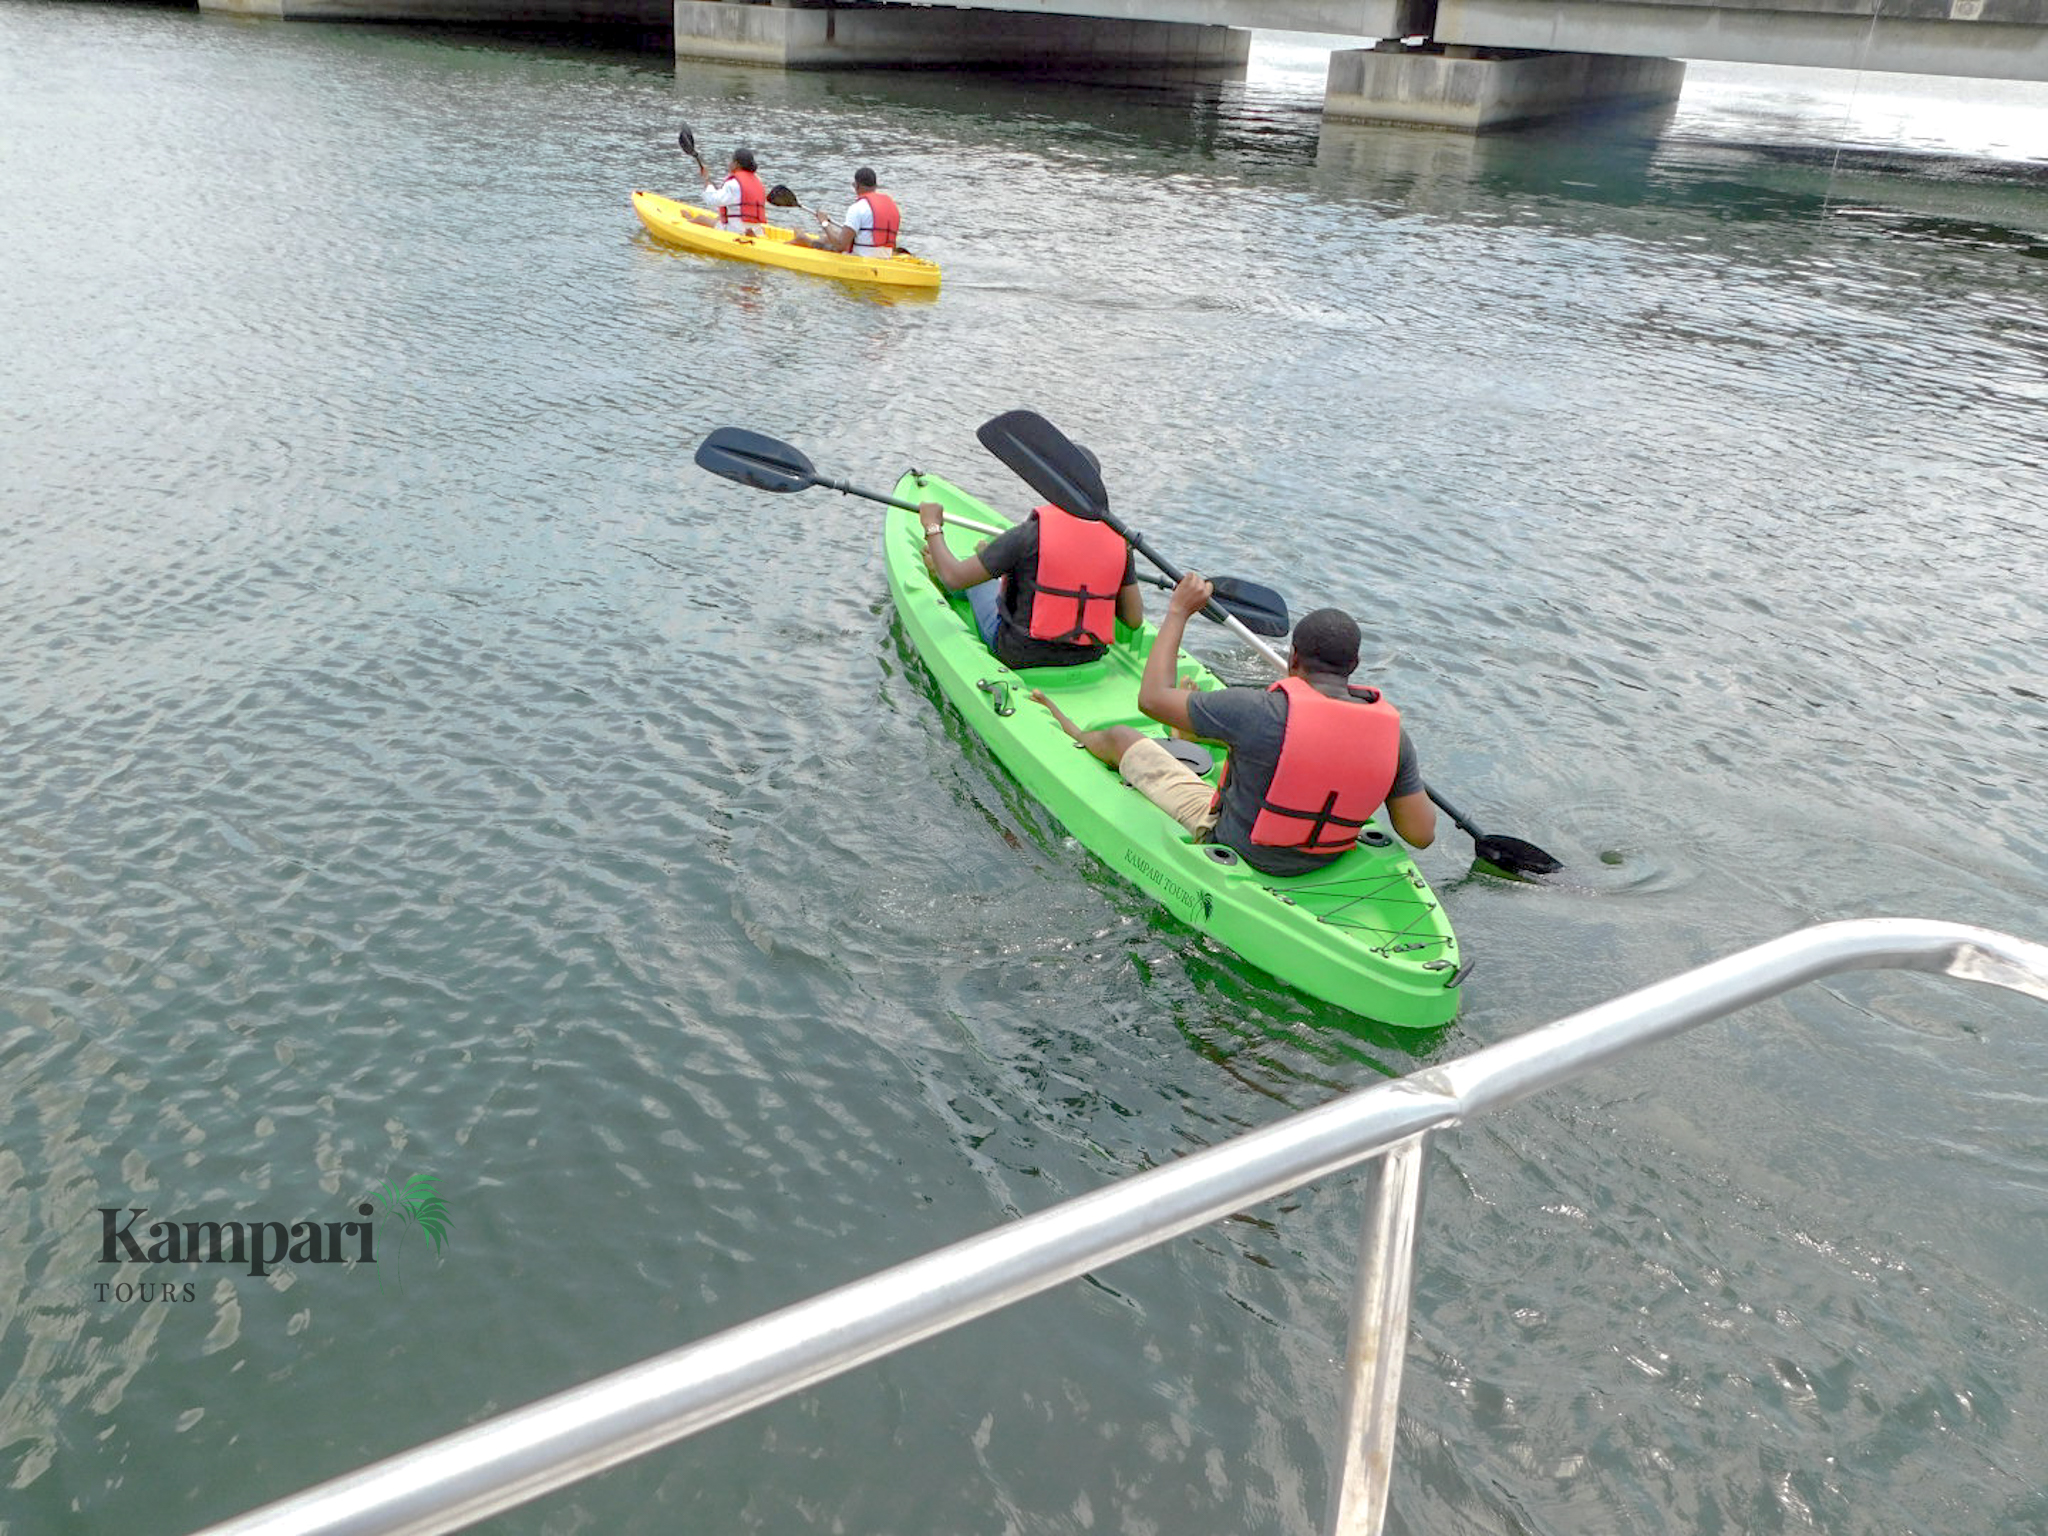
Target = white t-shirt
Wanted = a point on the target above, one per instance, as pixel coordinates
(726, 199)
(860, 218)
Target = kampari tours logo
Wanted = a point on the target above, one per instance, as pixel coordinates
(129, 1236)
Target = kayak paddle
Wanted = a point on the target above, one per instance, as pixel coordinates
(1065, 473)
(769, 465)
(686, 141)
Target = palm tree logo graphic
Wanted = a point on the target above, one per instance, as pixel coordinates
(416, 1204)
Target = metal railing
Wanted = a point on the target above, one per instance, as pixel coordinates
(518, 1456)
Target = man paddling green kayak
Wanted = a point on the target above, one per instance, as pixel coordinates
(1046, 593)
(1312, 758)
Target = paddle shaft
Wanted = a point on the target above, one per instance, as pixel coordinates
(1214, 610)
(905, 506)
(1451, 811)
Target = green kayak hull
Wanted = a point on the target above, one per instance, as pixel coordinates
(1366, 934)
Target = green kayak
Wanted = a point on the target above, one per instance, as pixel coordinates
(1366, 933)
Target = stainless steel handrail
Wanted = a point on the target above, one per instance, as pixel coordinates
(506, 1461)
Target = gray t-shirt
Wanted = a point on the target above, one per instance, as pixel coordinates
(1251, 722)
(1013, 554)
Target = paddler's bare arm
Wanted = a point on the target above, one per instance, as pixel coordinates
(1414, 818)
(1130, 605)
(1159, 692)
(947, 568)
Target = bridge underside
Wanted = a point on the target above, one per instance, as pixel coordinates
(1453, 89)
(1483, 63)
(1906, 37)
(1985, 39)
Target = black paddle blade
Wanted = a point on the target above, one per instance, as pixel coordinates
(1514, 856)
(686, 141)
(1048, 461)
(751, 459)
(1259, 609)
(782, 197)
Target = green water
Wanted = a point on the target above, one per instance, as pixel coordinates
(413, 765)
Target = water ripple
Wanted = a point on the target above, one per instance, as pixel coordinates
(414, 765)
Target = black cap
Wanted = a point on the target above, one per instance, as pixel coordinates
(1328, 638)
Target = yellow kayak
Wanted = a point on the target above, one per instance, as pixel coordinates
(696, 229)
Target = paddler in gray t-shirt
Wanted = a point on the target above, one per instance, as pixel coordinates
(1304, 773)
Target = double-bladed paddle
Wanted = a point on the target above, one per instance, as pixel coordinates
(1066, 474)
(686, 141)
(767, 464)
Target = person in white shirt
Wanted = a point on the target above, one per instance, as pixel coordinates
(741, 200)
(870, 227)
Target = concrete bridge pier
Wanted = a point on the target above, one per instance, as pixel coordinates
(1472, 90)
(821, 34)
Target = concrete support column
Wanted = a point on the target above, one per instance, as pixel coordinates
(864, 37)
(1476, 89)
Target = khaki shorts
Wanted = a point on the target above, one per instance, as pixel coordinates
(1169, 784)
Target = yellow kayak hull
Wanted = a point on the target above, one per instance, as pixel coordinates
(696, 229)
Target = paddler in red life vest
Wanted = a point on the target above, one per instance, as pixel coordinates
(1311, 758)
(1065, 582)
(871, 225)
(741, 200)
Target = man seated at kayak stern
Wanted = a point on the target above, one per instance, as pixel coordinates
(1311, 758)
(871, 226)
(1046, 593)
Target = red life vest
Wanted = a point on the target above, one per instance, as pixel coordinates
(753, 208)
(887, 222)
(1081, 567)
(1337, 761)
